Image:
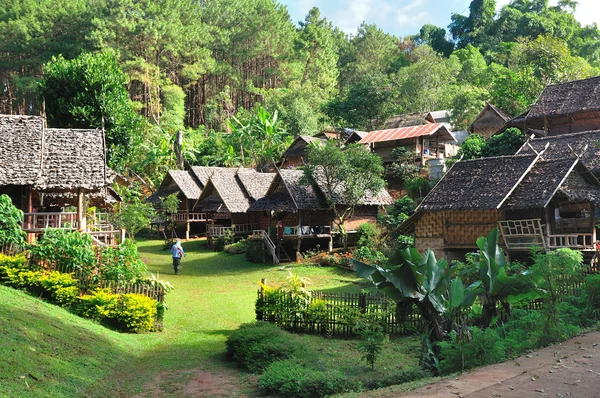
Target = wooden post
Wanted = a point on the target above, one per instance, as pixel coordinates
(593, 221)
(81, 210)
(298, 257)
(187, 219)
(29, 209)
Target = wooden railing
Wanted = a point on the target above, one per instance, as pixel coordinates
(524, 234)
(219, 230)
(269, 244)
(190, 217)
(38, 222)
(306, 231)
(572, 241)
(108, 238)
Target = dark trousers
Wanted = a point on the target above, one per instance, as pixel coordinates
(176, 264)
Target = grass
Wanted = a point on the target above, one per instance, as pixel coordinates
(213, 295)
(47, 352)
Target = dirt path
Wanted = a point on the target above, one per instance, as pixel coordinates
(570, 369)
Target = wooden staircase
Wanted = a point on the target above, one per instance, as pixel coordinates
(268, 242)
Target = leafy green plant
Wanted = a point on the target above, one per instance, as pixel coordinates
(372, 340)
(68, 251)
(11, 219)
(120, 264)
(367, 235)
(237, 247)
(553, 273)
(498, 286)
(134, 217)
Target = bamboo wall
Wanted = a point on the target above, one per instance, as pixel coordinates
(444, 230)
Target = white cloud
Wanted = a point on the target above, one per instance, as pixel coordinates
(353, 15)
(413, 14)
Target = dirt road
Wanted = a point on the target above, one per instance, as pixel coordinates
(570, 369)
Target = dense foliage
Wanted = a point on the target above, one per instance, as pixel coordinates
(11, 218)
(193, 66)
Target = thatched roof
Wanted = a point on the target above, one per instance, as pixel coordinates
(540, 185)
(203, 173)
(298, 146)
(51, 159)
(286, 193)
(512, 182)
(256, 184)
(405, 120)
(478, 184)
(229, 189)
(567, 98)
(558, 148)
(177, 181)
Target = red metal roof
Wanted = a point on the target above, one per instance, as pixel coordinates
(402, 133)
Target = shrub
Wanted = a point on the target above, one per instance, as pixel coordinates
(8, 265)
(395, 377)
(226, 239)
(483, 348)
(256, 345)
(135, 312)
(237, 247)
(367, 235)
(591, 290)
(293, 378)
(369, 256)
(254, 251)
(59, 288)
(129, 312)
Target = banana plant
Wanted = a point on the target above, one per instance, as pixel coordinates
(422, 280)
(498, 286)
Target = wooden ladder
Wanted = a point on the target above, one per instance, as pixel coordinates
(282, 253)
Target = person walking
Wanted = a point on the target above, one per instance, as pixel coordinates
(177, 253)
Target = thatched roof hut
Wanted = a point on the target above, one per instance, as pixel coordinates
(490, 120)
(583, 144)
(233, 190)
(51, 159)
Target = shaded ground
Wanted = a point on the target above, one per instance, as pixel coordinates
(570, 369)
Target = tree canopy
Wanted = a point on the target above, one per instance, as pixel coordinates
(193, 66)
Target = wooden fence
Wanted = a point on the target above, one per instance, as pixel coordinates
(335, 313)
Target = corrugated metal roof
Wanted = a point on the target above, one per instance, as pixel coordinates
(403, 133)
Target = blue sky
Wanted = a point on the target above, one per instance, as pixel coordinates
(405, 17)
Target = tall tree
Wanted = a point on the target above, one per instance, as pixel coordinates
(346, 177)
(89, 92)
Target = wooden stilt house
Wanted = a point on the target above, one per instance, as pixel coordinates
(535, 199)
(227, 197)
(45, 170)
(187, 187)
(294, 211)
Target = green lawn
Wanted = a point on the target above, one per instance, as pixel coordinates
(213, 295)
